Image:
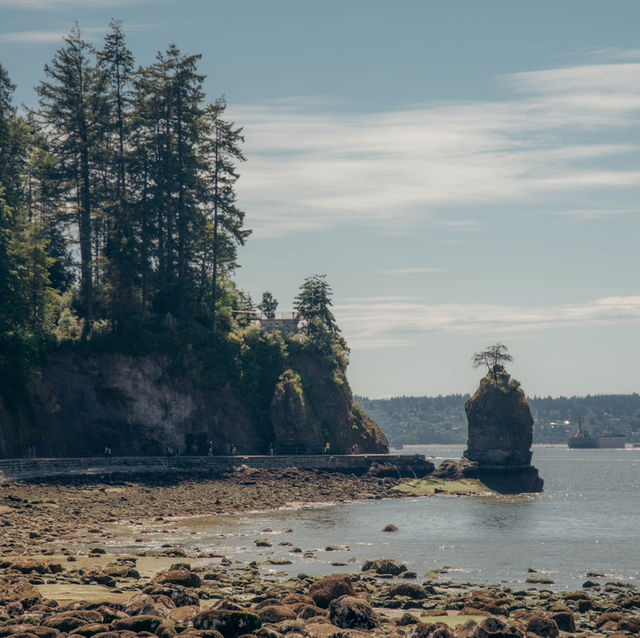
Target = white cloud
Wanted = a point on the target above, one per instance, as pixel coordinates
(598, 213)
(55, 5)
(310, 170)
(55, 37)
(389, 322)
(32, 37)
(409, 271)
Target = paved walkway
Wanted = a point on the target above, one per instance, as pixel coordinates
(350, 464)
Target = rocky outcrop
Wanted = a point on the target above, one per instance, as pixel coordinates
(140, 406)
(500, 435)
(312, 405)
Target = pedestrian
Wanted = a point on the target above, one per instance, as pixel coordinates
(234, 450)
(327, 448)
(210, 448)
(271, 449)
(29, 452)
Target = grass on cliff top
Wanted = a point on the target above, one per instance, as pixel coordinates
(432, 486)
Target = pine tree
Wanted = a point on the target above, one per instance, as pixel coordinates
(226, 220)
(313, 305)
(121, 247)
(74, 108)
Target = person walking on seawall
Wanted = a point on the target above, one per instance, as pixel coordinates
(327, 448)
(210, 452)
(271, 449)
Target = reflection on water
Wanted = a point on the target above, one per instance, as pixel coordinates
(586, 520)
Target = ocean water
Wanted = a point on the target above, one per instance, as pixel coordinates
(586, 520)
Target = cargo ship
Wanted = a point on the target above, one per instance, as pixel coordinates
(581, 439)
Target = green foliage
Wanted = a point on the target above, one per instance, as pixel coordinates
(262, 360)
(319, 331)
(132, 173)
(268, 305)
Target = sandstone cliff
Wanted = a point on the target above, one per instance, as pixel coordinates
(81, 403)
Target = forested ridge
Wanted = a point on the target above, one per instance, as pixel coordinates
(119, 227)
(118, 214)
(442, 419)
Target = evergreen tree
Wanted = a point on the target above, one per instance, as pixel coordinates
(74, 108)
(226, 226)
(313, 305)
(268, 305)
(122, 241)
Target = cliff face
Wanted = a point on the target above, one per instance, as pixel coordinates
(136, 405)
(313, 405)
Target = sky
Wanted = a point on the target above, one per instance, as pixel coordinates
(463, 172)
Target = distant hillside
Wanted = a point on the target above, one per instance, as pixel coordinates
(442, 419)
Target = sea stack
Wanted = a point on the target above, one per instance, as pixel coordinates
(500, 434)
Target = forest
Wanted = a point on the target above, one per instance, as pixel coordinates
(119, 226)
(442, 419)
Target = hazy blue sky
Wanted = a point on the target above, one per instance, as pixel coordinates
(463, 171)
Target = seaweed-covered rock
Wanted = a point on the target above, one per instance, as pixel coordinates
(230, 623)
(384, 567)
(349, 612)
(329, 588)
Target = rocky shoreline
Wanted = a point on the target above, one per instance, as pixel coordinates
(57, 578)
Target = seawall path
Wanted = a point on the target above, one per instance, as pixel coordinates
(11, 469)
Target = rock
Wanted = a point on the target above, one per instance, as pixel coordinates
(349, 612)
(263, 542)
(539, 580)
(610, 616)
(329, 588)
(67, 621)
(179, 595)
(276, 613)
(390, 528)
(500, 434)
(630, 624)
(407, 619)
(30, 566)
(386, 566)
(145, 605)
(422, 630)
(564, 619)
(138, 623)
(305, 612)
(181, 577)
(494, 627)
(305, 418)
(90, 630)
(542, 625)
(416, 592)
(31, 630)
(230, 624)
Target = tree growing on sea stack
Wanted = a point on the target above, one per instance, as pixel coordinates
(493, 357)
(500, 427)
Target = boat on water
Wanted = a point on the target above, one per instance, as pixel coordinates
(582, 439)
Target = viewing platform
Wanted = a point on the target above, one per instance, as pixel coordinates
(414, 465)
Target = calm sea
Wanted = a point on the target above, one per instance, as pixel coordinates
(586, 520)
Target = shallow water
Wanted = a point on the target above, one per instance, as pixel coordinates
(587, 520)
